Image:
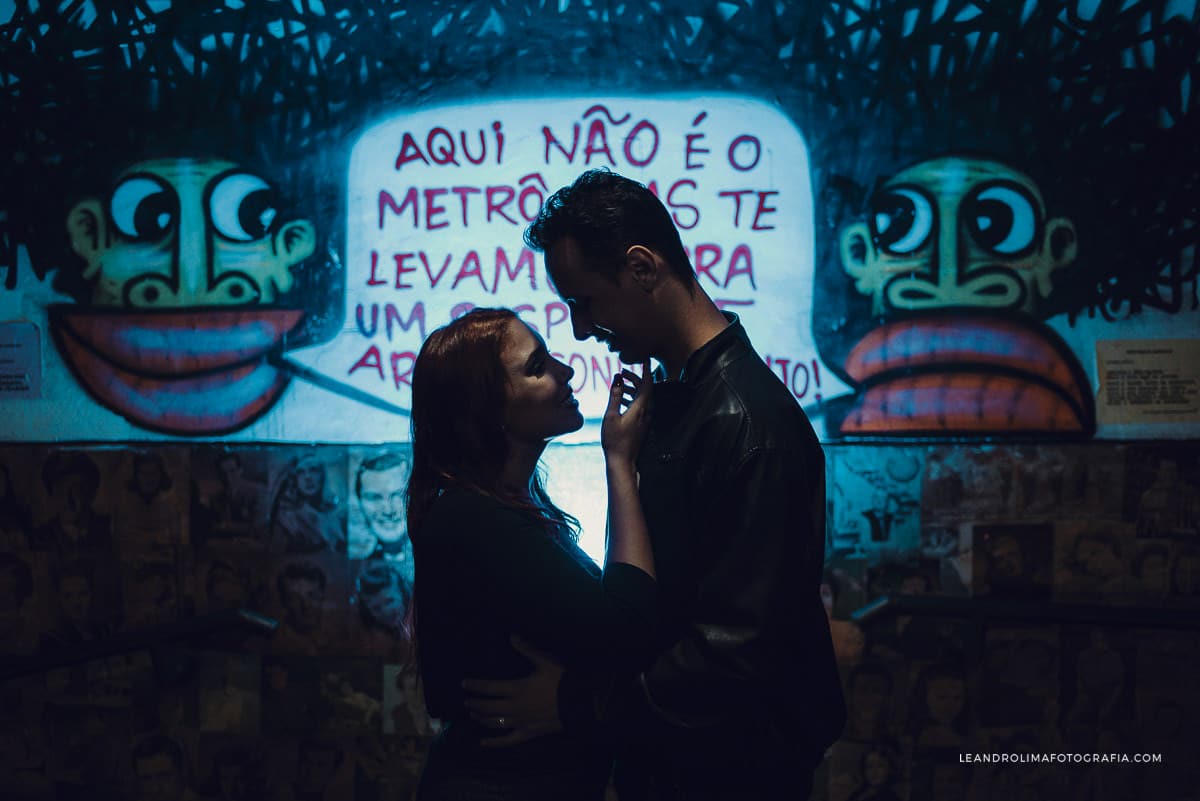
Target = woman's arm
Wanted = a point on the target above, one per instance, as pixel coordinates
(621, 436)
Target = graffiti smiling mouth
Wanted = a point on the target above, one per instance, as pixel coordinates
(939, 373)
(181, 371)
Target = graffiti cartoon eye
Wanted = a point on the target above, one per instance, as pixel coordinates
(144, 209)
(1002, 219)
(902, 221)
(235, 288)
(243, 207)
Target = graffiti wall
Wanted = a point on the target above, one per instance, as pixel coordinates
(962, 233)
(239, 220)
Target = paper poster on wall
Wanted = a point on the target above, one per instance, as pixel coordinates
(438, 200)
(20, 361)
(1148, 381)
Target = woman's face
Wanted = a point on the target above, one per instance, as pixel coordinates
(876, 769)
(310, 477)
(539, 402)
(1098, 558)
(147, 476)
(387, 605)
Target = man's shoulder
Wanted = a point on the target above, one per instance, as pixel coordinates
(750, 391)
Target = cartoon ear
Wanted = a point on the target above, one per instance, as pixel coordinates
(1061, 242)
(88, 233)
(855, 245)
(297, 240)
(1062, 245)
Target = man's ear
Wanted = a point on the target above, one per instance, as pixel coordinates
(87, 232)
(645, 267)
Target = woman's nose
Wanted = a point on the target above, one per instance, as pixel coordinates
(565, 370)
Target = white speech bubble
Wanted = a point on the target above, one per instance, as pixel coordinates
(438, 200)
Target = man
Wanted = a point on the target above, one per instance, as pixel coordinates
(72, 481)
(301, 587)
(743, 696)
(379, 485)
(74, 586)
(159, 770)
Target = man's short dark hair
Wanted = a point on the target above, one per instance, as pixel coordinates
(606, 214)
(377, 464)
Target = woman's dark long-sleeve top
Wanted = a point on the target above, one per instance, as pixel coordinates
(484, 572)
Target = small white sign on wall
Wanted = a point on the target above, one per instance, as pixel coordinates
(20, 360)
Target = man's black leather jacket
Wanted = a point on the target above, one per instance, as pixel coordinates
(733, 487)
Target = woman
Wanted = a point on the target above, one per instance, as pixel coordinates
(384, 605)
(305, 516)
(495, 558)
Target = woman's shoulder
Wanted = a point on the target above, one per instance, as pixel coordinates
(456, 501)
(461, 512)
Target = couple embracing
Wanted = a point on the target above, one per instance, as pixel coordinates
(697, 664)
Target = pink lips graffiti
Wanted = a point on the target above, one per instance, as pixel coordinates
(185, 371)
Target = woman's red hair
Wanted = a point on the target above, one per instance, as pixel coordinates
(458, 400)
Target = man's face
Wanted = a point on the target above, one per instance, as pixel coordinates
(230, 468)
(1098, 558)
(72, 496)
(616, 313)
(1006, 555)
(944, 696)
(75, 595)
(382, 501)
(187, 232)
(158, 778)
(303, 599)
(147, 476)
(957, 232)
(869, 692)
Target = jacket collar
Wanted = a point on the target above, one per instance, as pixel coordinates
(713, 355)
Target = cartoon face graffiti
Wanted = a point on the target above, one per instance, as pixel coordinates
(957, 232)
(957, 254)
(187, 232)
(187, 263)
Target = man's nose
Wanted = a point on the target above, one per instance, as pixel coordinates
(581, 324)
